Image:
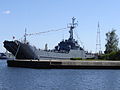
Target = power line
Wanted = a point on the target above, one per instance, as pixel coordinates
(45, 32)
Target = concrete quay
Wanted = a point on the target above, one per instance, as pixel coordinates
(64, 64)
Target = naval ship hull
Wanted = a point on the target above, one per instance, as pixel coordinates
(25, 51)
(65, 49)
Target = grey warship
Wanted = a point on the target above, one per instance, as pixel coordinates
(66, 49)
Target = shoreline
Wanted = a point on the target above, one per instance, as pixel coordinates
(64, 64)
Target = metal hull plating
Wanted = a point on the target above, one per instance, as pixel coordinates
(26, 51)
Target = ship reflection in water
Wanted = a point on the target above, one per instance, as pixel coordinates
(57, 79)
(66, 49)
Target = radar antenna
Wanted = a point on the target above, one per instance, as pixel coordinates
(72, 26)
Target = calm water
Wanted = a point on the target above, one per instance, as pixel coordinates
(57, 79)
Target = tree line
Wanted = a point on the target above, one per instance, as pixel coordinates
(112, 51)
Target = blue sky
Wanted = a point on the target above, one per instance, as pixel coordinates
(43, 15)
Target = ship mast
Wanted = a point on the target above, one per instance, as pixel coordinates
(72, 26)
(25, 40)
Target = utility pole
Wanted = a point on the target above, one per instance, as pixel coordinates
(98, 41)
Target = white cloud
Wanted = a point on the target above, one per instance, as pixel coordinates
(6, 12)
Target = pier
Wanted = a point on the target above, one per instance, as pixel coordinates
(64, 64)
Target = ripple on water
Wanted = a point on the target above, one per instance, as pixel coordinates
(57, 79)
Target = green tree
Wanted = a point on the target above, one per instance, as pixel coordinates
(112, 42)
